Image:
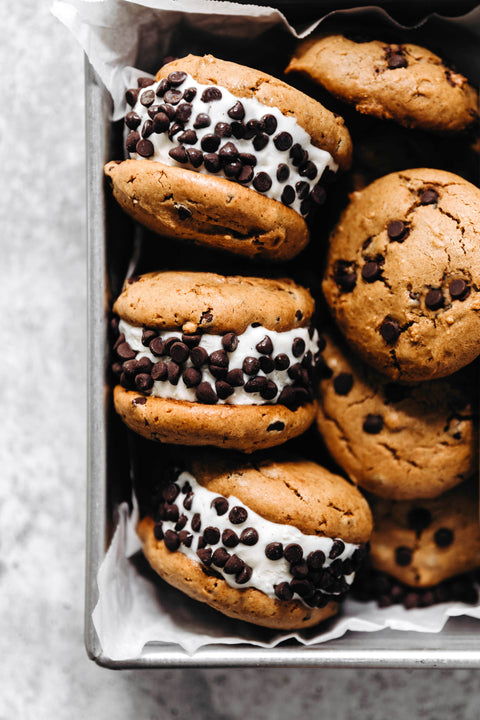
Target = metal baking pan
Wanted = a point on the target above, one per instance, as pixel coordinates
(109, 231)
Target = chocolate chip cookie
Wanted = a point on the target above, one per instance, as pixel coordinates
(405, 83)
(403, 274)
(274, 543)
(397, 441)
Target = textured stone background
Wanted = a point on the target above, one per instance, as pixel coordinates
(44, 669)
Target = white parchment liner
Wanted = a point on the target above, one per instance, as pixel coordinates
(134, 606)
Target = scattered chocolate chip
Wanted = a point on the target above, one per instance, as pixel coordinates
(298, 154)
(274, 551)
(205, 394)
(202, 121)
(125, 352)
(161, 122)
(269, 123)
(458, 289)
(173, 372)
(143, 382)
(211, 94)
(139, 401)
(298, 347)
(316, 559)
(300, 570)
(265, 346)
(373, 424)
(196, 522)
(230, 342)
(305, 206)
(192, 377)
(443, 537)
(183, 212)
(220, 557)
(283, 172)
(397, 230)
(256, 384)
(267, 365)
(237, 111)
(371, 271)
(318, 195)
(132, 120)
(251, 366)
(244, 575)
(282, 361)
(237, 515)
(211, 162)
(185, 538)
(177, 77)
(429, 197)
(288, 195)
(228, 153)
(158, 531)
(434, 299)
(211, 535)
(245, 175)
(131, 142)
(235, 378)
(162, 87)
(343, 383)
(189, 137)
(260, 141)
(249, 536)
(171, 540)
(302, 189)
(159, 371)
(337, 549)
(189, 94)
(293, 553)
(181, 522)
(403, 556)
(157, 346)
(219, 358)
(198, 356)
(304, 588)
(168, 109)
(238, 129)
(419, 518)
(220, 504)
(230, 538)
(187, 503)
(131, 96)
(308, 169)
(210, 143)
(191, 340)
(262, 182)
(173, 97)
(233, 565)
(223, 129)
(397, 60)
(205, 555)
(283, 591)
(283, 141)
(390, 330)
(223, 389)
(179, 352)
(344, 275)
(179, 154)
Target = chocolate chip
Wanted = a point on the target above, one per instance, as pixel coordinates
(171, 540)
(181, 522)
(316, 559)
(162, 87)
(237, 111)
(288, 195)
(304, 588)
(233, 565)
(143, 382)
(245, 174)
(218, 358)
(265, 346)
(170, 492)
(443, 537)
(397, 230)
(298, 347)
(174, 129)
(131, 142)
(373, 424)
(161, 122)
(300, 570)
(185, 538)
(238, 129)
(429, 197)
(205, 394)
(211, 535)
(235, 378)
(179, 154)
(251, 366)
(211, 162)
(198, 356)
(210, 143)
(305, 206)
(283, 141)
(139, 401)
(260, 141)
(230, 538)
(274, 551)
(169, 110)
(269, 123)
(223, 389)
(230, 341)
(157, 346)
(201, 543)
(344, 275)
(144, 82)
(211, 94)
(192, 340)
(237, 515)
(220, 557)
(228, 152)
(125, 352)
(397, 60)
(192, 377)
(458, 289)
(434, 299)
(419, 518)
(283, 172)
(262, 182)
(173, 372)
(187, 503)
(337, 549)
(371, 271)
(158, 531)
(302, 189)
(220, 504)
(282, 361)
(283, 591)
(293, 553)
(205, 555)
(223, 129)
(390, 330)
(189, 137)
(318, 195)
(244, 575)
(179, 352)
(266, 364)
(202, 121)
(196, 522)
(183, 212)
(132, 120)
(254, 127)
(186, 488)
(308, 169)
(177, 77)
(159, 371)
(403, 556)
(298, 154)
(343, 383)
(173, 97)
(131, 96)
(189, 94)
(256, 384)
(249, 536)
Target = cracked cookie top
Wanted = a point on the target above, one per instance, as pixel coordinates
(405, 83)
(397, 441)
(403, 274)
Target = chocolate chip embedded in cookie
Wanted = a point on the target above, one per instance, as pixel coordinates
(423, 542)
(397, 441)
(403, 274)
(274, 543)
(227, 156)
(203, 359)
(405, 83)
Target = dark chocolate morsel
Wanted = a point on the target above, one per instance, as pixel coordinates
(220, 504)
(256, 384)
(233, 565)
(183, 212)
(283, 591)
(187, 503)
(189, 137)
(132, 120)
(171, 540)
(179, 154)
(143, 382)
(144, 82)
(419, 518)
(260, 141)
(211, 162)
(177, 77)
(282, 361)
(337, 549)
(230, 538)
(211, 94)
(220, 557)
(162, 87)
(210, 143)
(159, 371)
(196, 522)
(237, 515)
(298, 347)
(269, 123)
(192, 340)
(223, 389)
(244, 575)
(161, 122)
(170, 492)
(211, 535)
(147, 336)
(390, 330)
(371, 271)
(373, 424)
(173, 372)
(308, 169)
(181, 522)
(443, 537)
(343, 383)
(245, 175)
(131, 96)
(265, 346)
(157, 346)
(198, 356)
(403, 556)
(125, 352)
(189, 94)
(434, 299)
(223, 129)
(302, 189)
(274, 551)
(262, 182)
(458, 289)
(429, 197)
(237, 111)
(397, 60)
(144, 148)
(230, 341)
(397, 230)
(300, 570)
(316, 559)
(318, 195)
(219, 358)
(238, 129)
(185, 538)
(192, 377)
(147, 98)
(179, 352)
(205, 555)
(158, 531)
(293, 553)
(249, 536)
(267, 364)
(344, 275)
(283, 141)
(235, 378)
(205, 394)
(182, 115)
(251, 366)
(283, 172)
(288, 195)
(202, 121)
(304, 588)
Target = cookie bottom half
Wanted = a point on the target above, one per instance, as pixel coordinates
(249, 605)
(240, 427)
(207, 210)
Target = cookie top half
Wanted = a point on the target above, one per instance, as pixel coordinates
(403, 274)
(406, 83)
(213, 303)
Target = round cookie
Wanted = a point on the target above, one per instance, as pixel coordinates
(399, 442)
(274, 543)
(422, 543)
(405, 83)
(204, 359)
(218, 157)
(403, 273)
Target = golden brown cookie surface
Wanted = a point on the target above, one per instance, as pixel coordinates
(403, 274)
(406, 83)
(399, 442)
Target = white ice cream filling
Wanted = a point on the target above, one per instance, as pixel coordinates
(266, 574)
(247, 341)
(268, 158)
